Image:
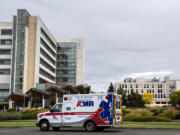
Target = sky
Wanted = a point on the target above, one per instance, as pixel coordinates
(123, 38)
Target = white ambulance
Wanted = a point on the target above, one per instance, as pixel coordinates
(91, 111)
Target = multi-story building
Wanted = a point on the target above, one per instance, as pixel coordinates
(70, 61)
(161, 90)
(5, 58)
(29, 54)
(34, 53)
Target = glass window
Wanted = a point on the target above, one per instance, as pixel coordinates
(45, 64)
(47, 56)
(6, 42)
(57, 108)
(4, 71)
(44, 73)
(48, 38)
(47, 47)
(5, 51)
(5, 61)
(6, 32)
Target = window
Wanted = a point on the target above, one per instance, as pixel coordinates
(45, 64)
(47, 47)
(47, 56)
(5, 51)
(141, 91)
(152, 85)
(147, 85)
(6, 42)
(125, 85)
(68, 108)
(56, 108)
(5, 61)
(4, 71)
(136, 85)
(48, 38)
(6, 32)
(44, 73)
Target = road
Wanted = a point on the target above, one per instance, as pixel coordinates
(80, 131)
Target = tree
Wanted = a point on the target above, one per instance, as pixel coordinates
(148, 98)
(121, 92)
(175, 98)
(111, 88)
(134, 100)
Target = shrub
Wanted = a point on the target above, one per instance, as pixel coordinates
(177, 114)
(139, 115)
(161, 119)
(156, 111)
(11, 110)
(14, 116)
(169, 113)
(10, 116)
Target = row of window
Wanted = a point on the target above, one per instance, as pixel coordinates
(44, 73)
(47, 47)
(5, 61)
(142, 91)
(48, 38)
(47, 56)
(6, 32)
(145, 86)
(4, 71)
(6, 42)
(5, 51)
(47, 65)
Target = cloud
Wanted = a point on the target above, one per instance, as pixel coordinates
(122, 37)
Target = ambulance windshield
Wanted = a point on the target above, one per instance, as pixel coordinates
(56, 108)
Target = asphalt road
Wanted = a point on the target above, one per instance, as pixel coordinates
(80, 131)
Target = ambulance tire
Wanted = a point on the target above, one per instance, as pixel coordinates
(55, 128)
(90, 126)
(44, 125)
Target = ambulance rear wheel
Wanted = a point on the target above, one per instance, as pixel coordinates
(90, 126)
(44, 125)
(55, 128)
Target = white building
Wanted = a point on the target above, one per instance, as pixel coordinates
(161, 90)
(5, 58)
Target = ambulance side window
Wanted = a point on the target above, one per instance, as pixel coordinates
(68, 108)
(57, 108)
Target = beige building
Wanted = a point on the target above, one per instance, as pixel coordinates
(160, 89)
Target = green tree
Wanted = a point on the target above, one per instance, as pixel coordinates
(175, 98)
(134, 100)
(121, 92)
(111, 88)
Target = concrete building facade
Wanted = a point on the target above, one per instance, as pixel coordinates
(161, 90)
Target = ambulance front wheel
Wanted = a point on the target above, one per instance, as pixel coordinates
(90, 126)
(44, 125)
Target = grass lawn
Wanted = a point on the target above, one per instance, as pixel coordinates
(139, 125)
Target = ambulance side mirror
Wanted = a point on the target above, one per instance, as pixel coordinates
(51, 110)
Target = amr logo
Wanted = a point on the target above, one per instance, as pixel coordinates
(85, 104)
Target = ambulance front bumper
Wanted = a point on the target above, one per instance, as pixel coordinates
(37, 123)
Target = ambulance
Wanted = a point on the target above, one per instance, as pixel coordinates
(94, 112)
